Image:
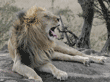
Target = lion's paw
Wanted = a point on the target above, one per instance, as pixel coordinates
(98, 59)
(39, 79)
(61, 75)
(86, 61)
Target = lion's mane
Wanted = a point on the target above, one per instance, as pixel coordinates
(31, 41)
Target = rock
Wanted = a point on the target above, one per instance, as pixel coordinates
(5, 47)
(77, 72)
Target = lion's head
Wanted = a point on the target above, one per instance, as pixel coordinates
(41, 24)
(34, 32)
(39, 16)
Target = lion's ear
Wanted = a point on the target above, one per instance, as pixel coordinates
(31, 12)
(42, 9)
(20, 16)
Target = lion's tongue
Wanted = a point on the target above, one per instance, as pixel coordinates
(54, 34)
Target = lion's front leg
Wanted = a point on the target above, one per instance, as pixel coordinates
(98, 59)
(26, 71)
(50, 68)
(63, 48)
(60, 56)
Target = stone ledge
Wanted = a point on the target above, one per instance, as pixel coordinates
(77, 72)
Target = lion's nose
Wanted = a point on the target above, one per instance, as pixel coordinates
(58, 19)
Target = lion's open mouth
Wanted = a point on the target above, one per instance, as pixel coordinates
(52, 33)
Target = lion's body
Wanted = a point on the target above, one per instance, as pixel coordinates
(25, 44)
(31, 45)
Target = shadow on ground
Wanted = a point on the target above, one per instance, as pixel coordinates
(77, 72)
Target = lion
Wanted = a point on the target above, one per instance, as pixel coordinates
(33, 44)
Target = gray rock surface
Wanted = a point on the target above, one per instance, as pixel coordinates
(77, 72)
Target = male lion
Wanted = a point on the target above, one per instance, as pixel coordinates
(32, 45)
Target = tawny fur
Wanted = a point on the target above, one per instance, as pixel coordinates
(30, 35)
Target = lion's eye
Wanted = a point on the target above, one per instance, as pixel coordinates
(46, 16)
